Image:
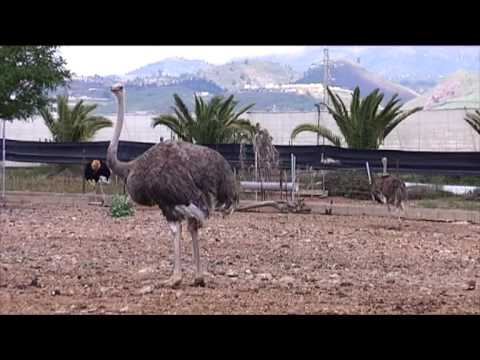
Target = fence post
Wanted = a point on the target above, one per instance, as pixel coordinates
(256, 173)
(4, 155)
(83, 177)
(281, 184)
(323, 171)
(293, 165)
(368, 173)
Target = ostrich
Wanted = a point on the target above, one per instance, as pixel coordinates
(390, 190)
(98, 172)
(184, 180)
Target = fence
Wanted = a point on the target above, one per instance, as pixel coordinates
(340, 171)
(318, 157)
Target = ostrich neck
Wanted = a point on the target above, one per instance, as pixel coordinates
(119, 167)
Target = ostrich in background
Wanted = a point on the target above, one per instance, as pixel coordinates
(186, 181)
(390, 190)
(98, 172)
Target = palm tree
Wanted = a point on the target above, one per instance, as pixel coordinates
(215, 122)
(365, 125)
(72, 125)
(75, 124)
(473, 119)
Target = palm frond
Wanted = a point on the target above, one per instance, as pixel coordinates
(473, 119)
(320, 130)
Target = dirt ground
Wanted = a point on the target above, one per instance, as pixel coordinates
(63, 259)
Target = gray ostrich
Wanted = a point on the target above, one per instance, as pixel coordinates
(186, 181)
(390, 190)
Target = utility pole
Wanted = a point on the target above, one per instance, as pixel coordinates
(325, 97)
(325, 85)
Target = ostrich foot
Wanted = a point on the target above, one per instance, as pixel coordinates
(199, 281)
(173, 282)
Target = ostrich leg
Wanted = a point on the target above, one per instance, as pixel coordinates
(103, 193)
(176, 278)
(193, 229)
(96, 191)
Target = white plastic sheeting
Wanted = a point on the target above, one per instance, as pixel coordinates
(434, 130)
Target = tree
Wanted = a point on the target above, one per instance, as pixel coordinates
(473, 119)
(73, 125)
(215, 122)
(27, 73)
(366, 125)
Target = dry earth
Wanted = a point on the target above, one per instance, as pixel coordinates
(63, 259)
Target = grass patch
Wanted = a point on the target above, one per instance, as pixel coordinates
(121, 206)
(37, 179)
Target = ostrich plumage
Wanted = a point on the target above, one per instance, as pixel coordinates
(390, 190)
(95, 170)
(186, 181)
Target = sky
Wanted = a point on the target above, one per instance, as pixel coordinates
(118, 60)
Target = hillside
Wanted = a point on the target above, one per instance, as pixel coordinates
(458, 90)
(170, 67)
(348, 75)
(395, 63)
(159, 99)
(235, 75)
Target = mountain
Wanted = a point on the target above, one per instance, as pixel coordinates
(170, 67)
(395, 63)
(254, 73)
(459, 90)
(348, 75)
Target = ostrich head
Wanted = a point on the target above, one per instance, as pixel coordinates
(117, 89)
(375, 190)
(95, 165)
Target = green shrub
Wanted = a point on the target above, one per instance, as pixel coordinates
(121, 206)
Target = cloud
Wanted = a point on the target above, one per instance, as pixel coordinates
(109, 60)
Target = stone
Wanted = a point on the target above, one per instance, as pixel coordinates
(265, 276)
(470, 285)
(231, 273)
(147, 270)
(287, 280)
(146, 290)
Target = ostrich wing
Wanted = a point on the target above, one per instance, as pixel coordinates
(173, 186)
(89, 174)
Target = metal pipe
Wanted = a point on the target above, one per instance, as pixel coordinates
(384, 162)
(292, 165)
(271, 185)
(256, 173)
(368, 173)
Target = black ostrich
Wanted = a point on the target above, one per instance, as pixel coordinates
(186, 181)
(97, 172)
